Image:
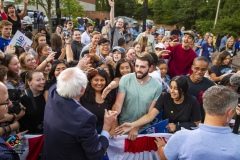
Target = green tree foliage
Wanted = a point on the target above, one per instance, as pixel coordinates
(71, 8)
(199, 14)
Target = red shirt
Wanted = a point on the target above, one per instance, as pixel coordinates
(180, 61)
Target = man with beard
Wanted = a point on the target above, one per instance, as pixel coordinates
(198, 84)
(115, 32)
(181, 55)
(86, 35)
(137, 94)
(76, 44)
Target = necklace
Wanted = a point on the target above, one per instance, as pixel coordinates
(142, 81)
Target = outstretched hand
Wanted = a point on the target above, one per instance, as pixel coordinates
(83, 64)
(124, 128)
(106, 91)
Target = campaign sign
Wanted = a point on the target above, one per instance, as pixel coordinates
(20, 39)
(159, 127)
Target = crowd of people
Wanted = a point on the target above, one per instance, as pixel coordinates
(72, 86)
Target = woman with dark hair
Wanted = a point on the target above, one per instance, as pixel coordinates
(109, 69)
(15, 18)
(92, 99)
(34, 102)
(182, 110)
(57, 67)
(43, 31)
(59, 30)
(123, 67)
(222, 66)
(56, 44)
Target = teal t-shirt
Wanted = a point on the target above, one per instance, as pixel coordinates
(138, 97)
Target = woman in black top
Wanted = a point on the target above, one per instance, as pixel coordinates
(92, 99)
(34, 102)
(14, 18)
(181, 109)
(222, 67)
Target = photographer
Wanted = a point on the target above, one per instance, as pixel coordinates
(68, 30)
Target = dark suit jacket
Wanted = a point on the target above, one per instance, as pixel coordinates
(69, 131)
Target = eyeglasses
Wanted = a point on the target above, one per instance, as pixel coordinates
(30, 60)
(105, 45)
(6, 102)
(201, 69)
(103, 68)
(120, 21)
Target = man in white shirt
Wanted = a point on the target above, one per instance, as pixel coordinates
(86, 35)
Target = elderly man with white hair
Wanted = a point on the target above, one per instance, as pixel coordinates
(69, 128)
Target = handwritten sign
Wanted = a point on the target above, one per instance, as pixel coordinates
(20, 39)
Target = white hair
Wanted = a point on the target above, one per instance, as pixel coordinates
(70, 82)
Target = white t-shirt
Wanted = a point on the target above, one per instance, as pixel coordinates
(85, 38)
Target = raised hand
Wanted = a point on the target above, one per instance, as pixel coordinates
(91, 72)
(10, 49)
(111, 3)
(92, 50)
(110, 117)
(83, 64)
(50, 57)
(25, 1)
(124, 128)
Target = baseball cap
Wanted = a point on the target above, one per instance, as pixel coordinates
(23, 22)
(120, 49)
(190, 33)
(160, 45)
(149, 26)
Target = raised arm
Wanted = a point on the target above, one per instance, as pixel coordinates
(24, 10)
(111, 3)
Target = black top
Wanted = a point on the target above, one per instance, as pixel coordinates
(33, 118)
(232, 51)
(98, 110)
(16, 24)
(197, 90)
(220, 70)
(187, 111)
(76, 49)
